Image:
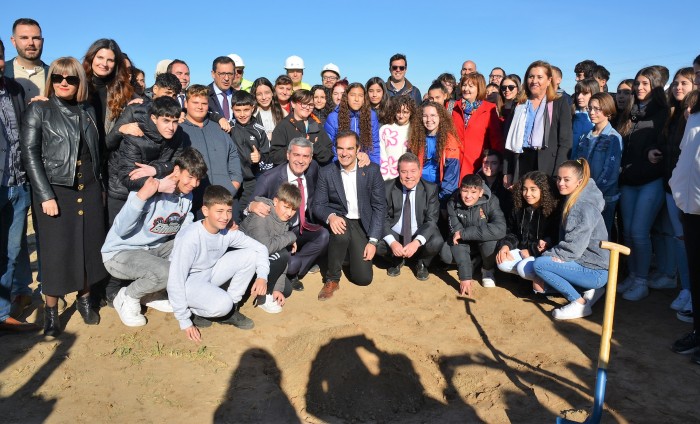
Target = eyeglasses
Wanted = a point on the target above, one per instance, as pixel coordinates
(496, 76)
(594, 109)
(239, 71)
(398, 68)
(224, 74)
(308, 106)
(70, 79)
(508, 87)
(330, 78)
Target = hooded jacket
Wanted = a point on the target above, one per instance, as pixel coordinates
(289, 128)
(582, 231)
(484, 221)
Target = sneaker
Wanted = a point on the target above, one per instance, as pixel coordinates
(626, 284)
(680, 301)
(129, 309)
(314, 270)
(638, 291)
(201, 322)
(487, 280)
(685, 316)
(162, 305)
(238, 320)
(269, 304)
(662, 282)
(686, 344)
(593, 295)
(571, 311)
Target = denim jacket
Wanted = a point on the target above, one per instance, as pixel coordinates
(603, 154)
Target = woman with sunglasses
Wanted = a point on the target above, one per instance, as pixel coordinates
(61, 153)
(509, 90)
(539, 138)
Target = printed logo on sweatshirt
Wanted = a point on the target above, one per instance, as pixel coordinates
(167, 226)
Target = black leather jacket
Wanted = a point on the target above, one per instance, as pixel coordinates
(50, 140)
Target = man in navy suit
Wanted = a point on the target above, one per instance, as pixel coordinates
(220, 91)
(302, 171)
(410, 225)
(350, 200)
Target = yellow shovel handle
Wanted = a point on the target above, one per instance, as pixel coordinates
(615, 250)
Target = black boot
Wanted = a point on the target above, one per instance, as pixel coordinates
(52, 325)
(89, 315)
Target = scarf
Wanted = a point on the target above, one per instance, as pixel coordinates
(469, 108)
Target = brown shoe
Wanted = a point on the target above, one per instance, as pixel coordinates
(329, 287)
(11, 324)
(19, 305)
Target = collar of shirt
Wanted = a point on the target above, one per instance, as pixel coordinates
(218, 91)
(354, 168)
(293, 178)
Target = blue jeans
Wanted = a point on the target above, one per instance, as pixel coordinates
(639, 206)
(563, 276)
(14, 203)
(609, 215)
(674, 215)
(519, 266)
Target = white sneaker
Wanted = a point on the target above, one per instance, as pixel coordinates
(638, 291)
(129, 309)
(487, 280)
(593, 295)
(662, 282)
(686, 313)
(625, 284)
(571, 311)
(270, 306)
(162, 305)
(681, 300)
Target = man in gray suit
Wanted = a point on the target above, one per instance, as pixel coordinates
(410, 224)
(350, 200)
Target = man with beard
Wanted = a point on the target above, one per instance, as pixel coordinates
(27, 68)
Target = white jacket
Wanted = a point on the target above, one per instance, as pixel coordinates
(685, 180)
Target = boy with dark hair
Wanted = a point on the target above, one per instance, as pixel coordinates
(602, 76)
(476, 223)
(141, 239)
(492, 173)
(273, 232)
(253, 148)
(202, 261)
(584, 69)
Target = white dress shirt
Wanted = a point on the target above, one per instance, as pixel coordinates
(350, 185)
(389, 238)
(291, 178)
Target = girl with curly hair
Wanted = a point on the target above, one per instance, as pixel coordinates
(532, 225)
(434, 140)
(393, 136)
(355, 113)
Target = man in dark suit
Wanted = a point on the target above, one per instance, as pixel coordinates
(220, 91)
(302, 171)
(350, 200)
(410, 224)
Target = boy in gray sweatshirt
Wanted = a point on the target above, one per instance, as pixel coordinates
(273, 231)
(141, 238)
(201, 262)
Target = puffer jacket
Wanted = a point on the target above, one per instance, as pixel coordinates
(151, 149)
(49, 140)
(484, 221)
(331, 126)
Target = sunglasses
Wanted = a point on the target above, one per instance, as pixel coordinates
(508, 87)
(239, 71)
(398, 68)
(70, 79)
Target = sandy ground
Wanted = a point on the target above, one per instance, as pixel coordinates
(398, 350)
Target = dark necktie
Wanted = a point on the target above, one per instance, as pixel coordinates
(406, 232)
(181, 97)
(303, 225)
(224, 106)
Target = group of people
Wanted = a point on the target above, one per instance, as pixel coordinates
(163, 195)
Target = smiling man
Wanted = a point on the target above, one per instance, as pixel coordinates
(27, 68)
(221, 89)
(398, 85)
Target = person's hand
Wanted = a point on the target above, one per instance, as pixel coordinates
(369, 252)
(259, 287)
(542, 245)
(131, 129)
(193, 333)
(259, 208)
(555, 259)
(136, 101)
(278, 297)
(255, 155)
(655, 155)
(236, 185)
(411, 248)
(294, 247)
(396, 249)
(183, 116)
(465, 288)
(167, 184)
(362, 159)
(50, 207)
(142, 170)
(232, 225)
(38, 99)
(508, 181)
(150, 187)
(337, 224)
(456, 238)
(524, 253)
(225, 125)
(504, 255)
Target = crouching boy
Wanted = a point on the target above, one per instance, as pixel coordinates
(273, 232)
(476, 224)
(201, 262)
(139, 243)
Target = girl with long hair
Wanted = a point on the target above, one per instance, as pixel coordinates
(577, 262)
(510, 86)
(393, 137)
(580, 122)
(268, 112)
(283, 92)
(323, 105)
(624, 100)
(378, 98)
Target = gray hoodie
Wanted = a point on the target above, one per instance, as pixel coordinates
(582, 231)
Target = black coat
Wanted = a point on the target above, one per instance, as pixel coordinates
(289, 128)
(527, 226)
(16, 93)
(646, 130)
(137, 113)
(269, 182)
(484, 221)
(50, 138)
(245, 137)
(427, 207)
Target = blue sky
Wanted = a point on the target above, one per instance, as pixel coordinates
(360, 36)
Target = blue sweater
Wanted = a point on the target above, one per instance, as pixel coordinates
(581, 124)
(331, 127)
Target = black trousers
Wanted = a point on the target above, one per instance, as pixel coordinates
(353, 242)
(310, 245)
(461, 255)
(425, 253)
(278, 263)
(691, 236)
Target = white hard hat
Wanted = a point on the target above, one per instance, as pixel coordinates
(162, 66)
(237, 60)
(331, 67)
(294, 62)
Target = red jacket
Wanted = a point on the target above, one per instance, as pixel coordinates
(482, 132)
